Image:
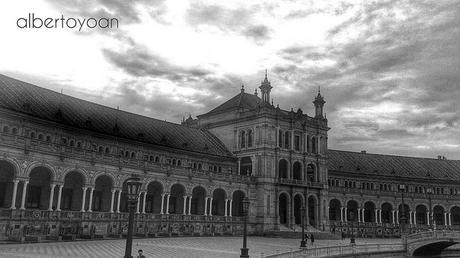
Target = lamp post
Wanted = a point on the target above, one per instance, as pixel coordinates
(429, 191)
(133, 186)
(403, 218)
(245, 250)
(302, 243)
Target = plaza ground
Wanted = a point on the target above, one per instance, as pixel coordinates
(186, 247)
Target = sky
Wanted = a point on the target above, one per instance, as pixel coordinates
(389, 70)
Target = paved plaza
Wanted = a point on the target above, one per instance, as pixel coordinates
(186, 247)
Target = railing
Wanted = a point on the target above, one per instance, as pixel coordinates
(341, 250)
(299, 182)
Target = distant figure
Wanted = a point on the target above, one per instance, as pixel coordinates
(312, 239)
(140, 254)
(306, 238)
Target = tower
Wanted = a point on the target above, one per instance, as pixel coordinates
(319, 104)
(265, 88)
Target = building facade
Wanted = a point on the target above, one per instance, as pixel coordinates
(64, 162)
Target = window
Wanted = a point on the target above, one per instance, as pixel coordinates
(200, 166)
(33, 196)
(15, 130)
(40, 137)
(151, 158)
(133, 155)
(179, 163)
(286, 140)
(48, 138)
(126, 154)
(297, 142)
(32, 135)
(64, 141)
(174, 162)
(157, 159)
(280, 139)
(6, 129)
(250, 138)
(313, 145)
(107, 150)
(72, 143)
(101, 149)
(243, 139)
(78, 144)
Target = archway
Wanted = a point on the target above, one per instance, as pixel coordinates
(246, 166)
(311, 173)
(369, 212)
(297, 171)
(237, 203)
(72, 192)
(334, 210)
(387, 215)
(312, 210)
(406, 213)
(283, 169)
(102, 195)
(7, 173)
(198, 198)
(455, 215)
(38, 189)
(352, 208)
(283, 208)
(421, 214)
(298, 200)
(153, 199)
(438, 215)
(218, 202)
(176, 199)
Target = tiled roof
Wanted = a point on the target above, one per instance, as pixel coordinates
(242, 100)
(390, 165)
(50, 105)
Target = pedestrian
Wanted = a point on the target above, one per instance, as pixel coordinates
(140, 254)
(312, 239)
(306, 238)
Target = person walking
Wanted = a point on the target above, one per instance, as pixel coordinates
(312, 239)
(306, 238)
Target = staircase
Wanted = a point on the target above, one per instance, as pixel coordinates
(296, 232)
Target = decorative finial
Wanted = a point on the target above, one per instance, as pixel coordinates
(266, 74)
(255, 92)
(272, 102)
(319, 89)
(242, 87)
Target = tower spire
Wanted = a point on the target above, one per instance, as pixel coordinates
(319, 104)
(265, 88)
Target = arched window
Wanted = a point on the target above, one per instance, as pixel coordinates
(280, 138)
(72, 143)
(101, 149)
(15, 130)
(157, 159)
(243, 139)
(40, 137)
(133, 155)
(64, 141)
(32, 135)
(200, 166)
(179, 163)
(78, 144)
(174, 162)
(126, 154)
(6, 129)
(313, 145)
(286, 140)
(250, 138)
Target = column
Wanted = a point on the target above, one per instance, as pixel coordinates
(346, 214)
(428, 218)
(226, 207)
(90, 204)
(210, 206)
(83, 199)
(112, 200)
(341, 214)
(445, 218)
(162, 203)
(58, 205)
(119, 200)
(450, 219)
(376, 215)
(393, 217)
(206, 206)
(397, 217)
(239, 166)
(359, 214)
(15, 189)
(167, 204)
(380, 216)
(50, 203)
(138, 205)
(231, 210)
(143, 202)
(292, 139)
(190, 205)
(414, 221)
(184, 212)
(24, 192)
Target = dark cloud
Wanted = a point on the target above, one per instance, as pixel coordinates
(257, 32)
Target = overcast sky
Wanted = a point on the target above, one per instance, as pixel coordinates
(389, 70)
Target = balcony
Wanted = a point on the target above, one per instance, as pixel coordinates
(295, 182)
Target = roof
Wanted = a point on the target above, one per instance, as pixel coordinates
(241, 100)
(46, 104)
(391, 165)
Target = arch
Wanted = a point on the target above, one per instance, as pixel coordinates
(198, 200)
(34, 165)
(312, 203)
(218, 202)
(283, 208)
(7, 175)
(455, 215)
(387, 212)
(298, 203)
(154, 191)
(438, 214)
(369, 211)
(7, 162)
(38, 189)
(72, 191)
(311, 175)
(176, 199)
(421, 214)
(237, 203)
(352, 209)
(78, 170)
(102, 195)
(283, 168)
(334, 210)
(297, 170)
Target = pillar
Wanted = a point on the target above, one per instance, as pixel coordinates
(428, 218)
(231, 210)
(397, 216)
(450, 219)
(119, 200)
(376, 215)
(15, 189)
(58, 205)
(393, 217)
(112, 200)
(167, 204)
(359, 214)
(184, 212)
(415, 218)
(143, 202)
(380, 216)
(50, 203)
(162, 203)
(226, 207)
(239, 166)
(445, 218)
(190, 205)
(346, 214)
(206, 206)
(341, 214)
(24, 193)
(138, 204)
(210, 206)
(83, 199)
(90, 204)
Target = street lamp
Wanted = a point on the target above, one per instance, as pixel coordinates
(303, 242)
(403, 218)
(429, 191)
(245, 250)
(133, 186)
